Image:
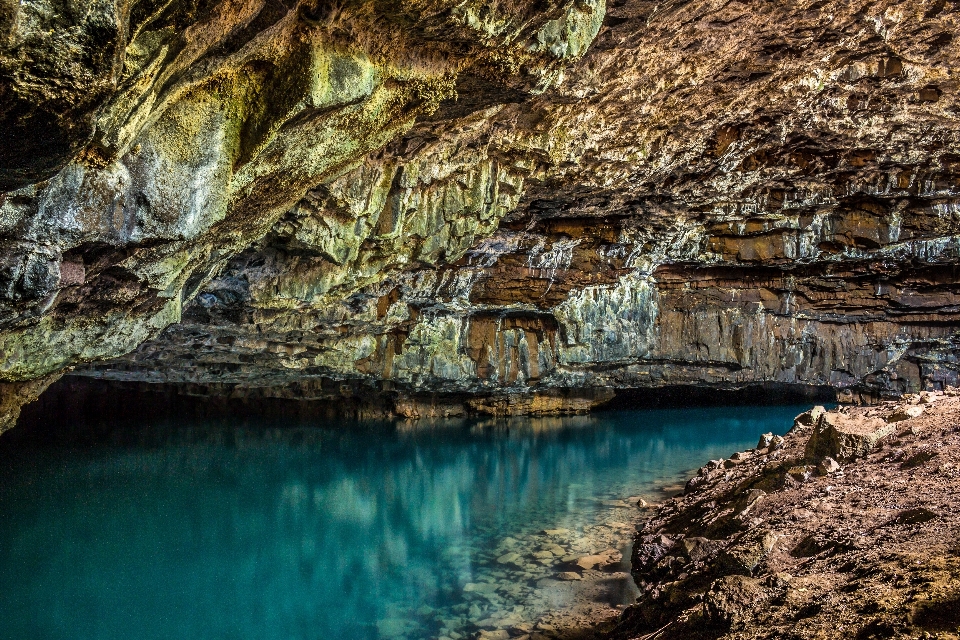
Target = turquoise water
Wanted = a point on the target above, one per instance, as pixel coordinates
(234, 531)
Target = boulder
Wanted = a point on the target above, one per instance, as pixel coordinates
(731, 599)
(697, 549)
(805, 419)
(747, 552)
(846, 437)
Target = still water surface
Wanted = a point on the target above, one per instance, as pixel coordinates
(213, 531)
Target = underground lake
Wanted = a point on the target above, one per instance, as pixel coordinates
(252, 528)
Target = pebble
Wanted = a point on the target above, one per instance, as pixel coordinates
(479, 587)
(828, 465)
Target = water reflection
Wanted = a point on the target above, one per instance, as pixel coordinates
(324, 531)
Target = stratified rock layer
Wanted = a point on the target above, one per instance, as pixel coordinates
(508, 209)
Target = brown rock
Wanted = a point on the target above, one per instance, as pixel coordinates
(905, 413)
(746, 553)
(697, 549)
(845, 437)
(732, 600)
(805, 419)
(801, 473)
(828, 465)
(610, 556)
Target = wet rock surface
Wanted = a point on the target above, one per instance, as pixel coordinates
(790, 543)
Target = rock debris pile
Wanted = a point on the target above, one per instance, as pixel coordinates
(847, 527)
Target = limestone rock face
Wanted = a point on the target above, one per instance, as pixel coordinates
(513, 204)
(146, 144)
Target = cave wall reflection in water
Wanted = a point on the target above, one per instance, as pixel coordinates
(257, 530)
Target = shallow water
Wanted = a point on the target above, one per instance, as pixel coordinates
(355, 531)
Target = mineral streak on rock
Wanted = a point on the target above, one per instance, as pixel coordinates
(501, 203)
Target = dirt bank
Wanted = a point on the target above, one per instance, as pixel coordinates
(848, 527)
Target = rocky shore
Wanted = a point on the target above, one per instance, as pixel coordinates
(847, 527)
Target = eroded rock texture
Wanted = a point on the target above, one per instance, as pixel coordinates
(509, 207)
(147, 143)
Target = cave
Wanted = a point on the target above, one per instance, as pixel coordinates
(402, 231)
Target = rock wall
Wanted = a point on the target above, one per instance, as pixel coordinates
(145, 144)
(508, 208)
